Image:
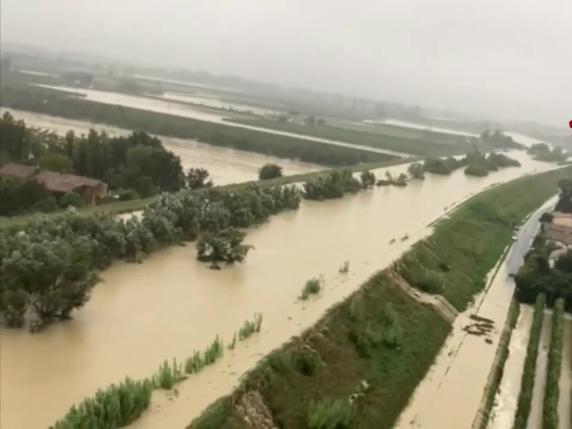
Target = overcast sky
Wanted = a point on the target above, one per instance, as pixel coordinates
(495, 58)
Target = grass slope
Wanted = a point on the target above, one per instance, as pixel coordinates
(472, 240)
(342, 362)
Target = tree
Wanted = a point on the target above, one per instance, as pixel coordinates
(269, 171)
(223, 246)
(56, 162)
(198, 178)
(416, 170)
(367, 179)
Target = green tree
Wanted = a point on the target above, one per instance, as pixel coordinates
(56, 162)
(269, 171)
(223, 246)
(367, 179)
(198, 178)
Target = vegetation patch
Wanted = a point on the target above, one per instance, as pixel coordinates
(323, 363)
(312, 287)
(250, 327)
(529, 372)
(450, 264)
(550, 415)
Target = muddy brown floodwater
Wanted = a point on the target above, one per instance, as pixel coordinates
(225, 165)
(502, 415)
(535, 417)
(170, 305)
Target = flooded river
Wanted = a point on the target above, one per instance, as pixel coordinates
(225, 165)
(170, 305)
(190, 111)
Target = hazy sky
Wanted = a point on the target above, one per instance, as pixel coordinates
(496, 58)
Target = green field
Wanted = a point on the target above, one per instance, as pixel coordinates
(25, 97)
(399, 139)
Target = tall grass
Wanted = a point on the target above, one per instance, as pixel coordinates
(527, 380)
(168, 375)
(312, 287)
(116, 406)
(250, 327)
(210, 355)
(553, 368)
(330, 414)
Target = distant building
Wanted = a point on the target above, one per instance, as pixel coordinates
(57, 183)
(560, 229)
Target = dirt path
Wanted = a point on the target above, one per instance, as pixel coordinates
(535, 418)
(565, 404)
(502, 415)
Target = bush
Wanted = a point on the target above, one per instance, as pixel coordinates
(71, 199)
(269, 171)
(477, 170)
(250, 327)
(305, 361)
(330, 414)
(116, 406)
(168, 375)
(312, 287)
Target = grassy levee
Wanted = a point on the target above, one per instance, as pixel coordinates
(347, 352)
(553, 367)
(529, 371)
(414, 145)
(348, 346)
(455, 260)
(52, 102)
(497, 370)
(120, 207)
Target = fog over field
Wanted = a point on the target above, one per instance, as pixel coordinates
(501, 60)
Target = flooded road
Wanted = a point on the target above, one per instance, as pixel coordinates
(535, 417)
(506, 400)
(170, 305)
(462, 367)
(225, 165)
(190, 111)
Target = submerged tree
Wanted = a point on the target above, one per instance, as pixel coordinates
(367, 179)
(198, 178)
(269, 171)
(416, 171)
(222, 246)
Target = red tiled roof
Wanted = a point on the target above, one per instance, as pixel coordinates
(18, 170)
(57, 182)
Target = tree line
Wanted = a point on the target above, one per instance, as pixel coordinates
(48, 267)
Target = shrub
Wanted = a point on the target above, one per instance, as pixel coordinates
(116, 406)
(330, 414)
(305, 361)
(312, 287)
(168, 375)
(250, 327)
(269, 171)
(71, 199)
(344, 268)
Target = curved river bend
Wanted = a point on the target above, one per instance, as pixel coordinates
(170, 305)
